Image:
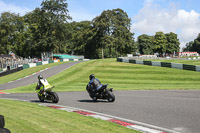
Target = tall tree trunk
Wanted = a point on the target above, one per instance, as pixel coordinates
(102, 53)
(116, 52)
(110, 51)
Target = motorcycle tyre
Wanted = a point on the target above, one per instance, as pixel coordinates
(94, 99)
(111, 96)
(2, 121)
(41, 98)
(55, 97)
(4, 130)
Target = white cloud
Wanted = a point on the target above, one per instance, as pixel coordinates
(153, 18)
(13, 8)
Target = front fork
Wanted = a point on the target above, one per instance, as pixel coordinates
(38, 92)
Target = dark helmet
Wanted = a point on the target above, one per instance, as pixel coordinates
(40, 77)
(92, 76)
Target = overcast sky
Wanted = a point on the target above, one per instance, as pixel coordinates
(148, 16)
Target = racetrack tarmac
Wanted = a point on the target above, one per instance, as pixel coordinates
(177, 110)
(33, 78)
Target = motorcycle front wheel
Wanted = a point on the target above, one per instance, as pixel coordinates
(55, 97)
(111, 96)
(41, 98)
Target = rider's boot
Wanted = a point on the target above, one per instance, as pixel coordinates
(94, 94)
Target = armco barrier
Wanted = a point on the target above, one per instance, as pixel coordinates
(65, 59)
(55, 61)
(32, 64)
(38, 63)
(25, 66)
(11, 71)
(45, 62)
(161, 64)
(51, 61)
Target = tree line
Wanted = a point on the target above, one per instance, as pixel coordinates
(50, 29)
(193, 46)
(160, 43)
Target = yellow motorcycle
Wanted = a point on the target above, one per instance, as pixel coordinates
(47, 93)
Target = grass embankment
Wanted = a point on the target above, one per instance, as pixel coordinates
(189, 62)
(25, 72)
(120, 76)
(24, 117)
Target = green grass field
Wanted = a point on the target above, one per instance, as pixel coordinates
(24, 117)
(120, 76)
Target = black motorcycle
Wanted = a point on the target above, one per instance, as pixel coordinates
(105, 93)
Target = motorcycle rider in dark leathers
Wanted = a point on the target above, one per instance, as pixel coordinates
(96, 85)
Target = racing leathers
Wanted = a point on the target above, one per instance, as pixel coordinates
(96, 86)
(42, 85)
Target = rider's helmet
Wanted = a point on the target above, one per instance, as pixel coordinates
(92, 76)
(40, 77)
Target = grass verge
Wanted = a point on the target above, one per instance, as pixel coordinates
(120, 76)
(24, 117)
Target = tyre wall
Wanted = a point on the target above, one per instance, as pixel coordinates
(161, 64)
